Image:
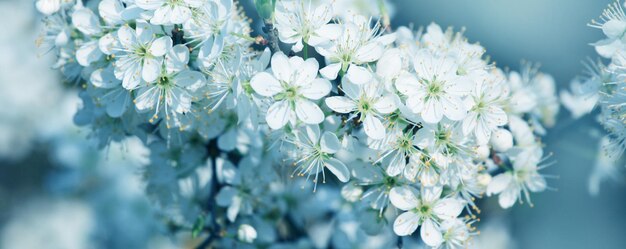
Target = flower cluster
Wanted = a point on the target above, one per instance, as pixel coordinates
(403, 127)
(603, 87)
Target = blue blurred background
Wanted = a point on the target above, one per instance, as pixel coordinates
(42, 172)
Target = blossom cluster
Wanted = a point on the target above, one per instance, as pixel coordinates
(602, 88)
(378, 126)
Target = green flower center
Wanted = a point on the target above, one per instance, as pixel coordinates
(291, 93)
(389, 181)
(435, 88)
(164, 82)
(364, 105)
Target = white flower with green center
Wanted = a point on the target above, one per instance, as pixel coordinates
(316, 152)
(485, 113)
(167, 12)
(357, 45)
(171, 92)
(296, 23)
(402, 148)
(522, 178)
(429, 211)
(141, 55)
(437, 90)
(293, 84)
(456, 234)
(368, 101)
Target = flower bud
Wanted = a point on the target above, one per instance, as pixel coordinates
(246, 233)
(481, 152)
(501, 140)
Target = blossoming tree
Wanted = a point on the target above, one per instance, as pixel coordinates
(327, 127)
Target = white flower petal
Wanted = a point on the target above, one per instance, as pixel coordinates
(86, 21)
(132, 76)
(126, 36)
(281, 67)
(368, 53)
(448, 208)
(330, 71)
(431, 194)
(338, 169)
(508, 197)
(430, 233)
(358, 75)
(309, 112)
(403, 198)
(330, 143)
(180, 14)
(117, 103)
(499, 183)
(188, 78)
(316, 89)
(407, 84)
(340, 104)
(390, 64)
(149, 4)
(306, 71)
(453, 107)
(385, 104)
(396, 166)
(406, 223)
(160, 46)
(373, 127)
(88, 53)
(147, 98)
(614, 28)
(433, 111)
(265, 84)
(177, 58)
(110, 11)
(151, 69)
(162, 16)
(536, 183)
(278, 115)
(107, 43)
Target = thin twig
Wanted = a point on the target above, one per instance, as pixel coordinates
(272, 34)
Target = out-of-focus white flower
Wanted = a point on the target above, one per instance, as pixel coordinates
(522, 179)
(246, 233)
(605, 167)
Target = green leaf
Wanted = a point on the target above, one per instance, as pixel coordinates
(265, 8)
(198, 225)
